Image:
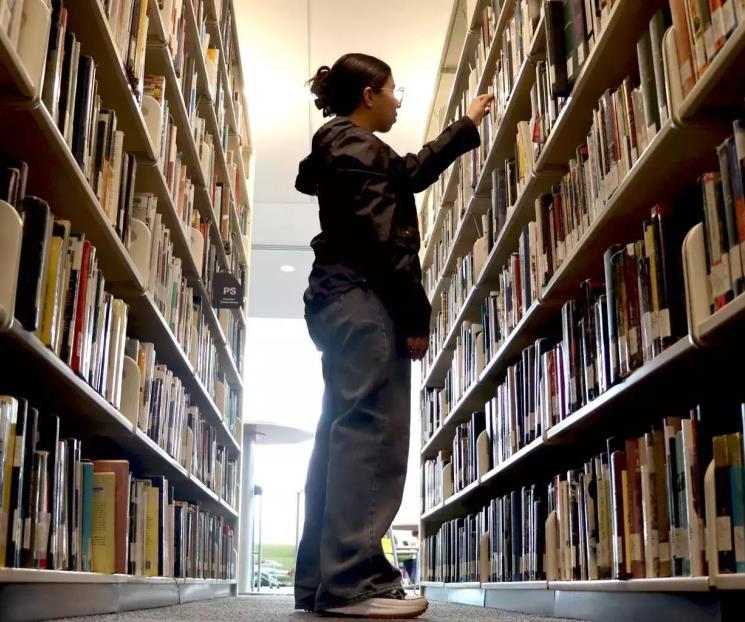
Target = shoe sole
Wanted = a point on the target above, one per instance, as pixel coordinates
(377, 616)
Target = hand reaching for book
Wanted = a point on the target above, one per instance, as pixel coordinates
(417, 347)
(479, 108)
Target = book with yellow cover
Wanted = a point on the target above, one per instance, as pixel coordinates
(120, 507)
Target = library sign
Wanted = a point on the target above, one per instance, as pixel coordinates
(227, 291)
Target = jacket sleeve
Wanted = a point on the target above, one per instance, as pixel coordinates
(419, 171)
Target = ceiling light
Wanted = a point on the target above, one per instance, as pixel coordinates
(287, 268)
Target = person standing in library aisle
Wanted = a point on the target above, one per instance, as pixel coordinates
(368, 313)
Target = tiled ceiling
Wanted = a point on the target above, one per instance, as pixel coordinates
(282, 43)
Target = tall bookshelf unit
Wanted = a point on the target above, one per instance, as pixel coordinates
(31, 370)
(682, 149)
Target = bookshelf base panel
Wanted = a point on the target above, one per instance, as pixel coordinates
(22, 602)
(598, 605)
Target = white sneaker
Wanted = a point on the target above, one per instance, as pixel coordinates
(393, 605)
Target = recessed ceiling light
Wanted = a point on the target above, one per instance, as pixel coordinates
(287, 268)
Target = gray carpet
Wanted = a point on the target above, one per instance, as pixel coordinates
(275, 608)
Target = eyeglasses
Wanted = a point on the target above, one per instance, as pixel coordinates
(398, 93)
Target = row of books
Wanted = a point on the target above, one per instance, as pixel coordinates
(228, 404)
(230, 140)
(515, 292)
(174, 19)
(61, 293)
(594, 175)
(505, 190)
(723, 193)
(451, 222)
(432, 205)
(234, 334)
(180, 307)
(433, 410)
(451, 302)
(207, 460)
(175, 299)
(504, 542)
(210, 52)
(223, 201)
(454, 553)
(434, 199)
(180, 186)
(182, 190)
(514, 54)
(637, 510)
(61, 297)
(512, 418)
(62, 511)
(616, 326)
(437, 480)
(620, 324)
(167, 415)
(128, 24)
(467, 363)
(515, 40)
(701, 30)
(465, 455)
(234, 86)
(70, 94)
(623, 126)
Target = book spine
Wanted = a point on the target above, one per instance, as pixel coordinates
(725, 548)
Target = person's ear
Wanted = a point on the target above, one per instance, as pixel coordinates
(367, 97)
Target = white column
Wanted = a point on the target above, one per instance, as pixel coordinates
(246, 544)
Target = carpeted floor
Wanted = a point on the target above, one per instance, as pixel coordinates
(275, 608)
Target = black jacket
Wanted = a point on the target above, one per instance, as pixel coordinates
(369, 225)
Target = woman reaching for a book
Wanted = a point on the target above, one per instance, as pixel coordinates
(368, 313)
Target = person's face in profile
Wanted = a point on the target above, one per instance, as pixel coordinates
(384, 103)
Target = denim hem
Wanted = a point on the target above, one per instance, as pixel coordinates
(359, 598)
